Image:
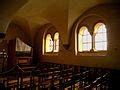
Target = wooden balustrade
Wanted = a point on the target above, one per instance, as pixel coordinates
(52, 76)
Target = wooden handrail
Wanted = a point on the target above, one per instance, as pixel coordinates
(12, 69)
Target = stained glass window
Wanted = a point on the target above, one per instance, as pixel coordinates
(49, 43)
(100, 37)
(56, 42)
(84, 39)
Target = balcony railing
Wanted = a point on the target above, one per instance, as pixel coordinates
(53, 76)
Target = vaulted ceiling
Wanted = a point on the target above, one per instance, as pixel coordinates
(61, 13)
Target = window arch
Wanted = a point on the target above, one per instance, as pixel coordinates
(84, 40)
(49, 43)
(100, 37)
(56, 42)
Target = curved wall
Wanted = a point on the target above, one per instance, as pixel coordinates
(106, 13)
(109, 15)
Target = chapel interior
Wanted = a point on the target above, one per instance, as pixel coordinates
(59, 44)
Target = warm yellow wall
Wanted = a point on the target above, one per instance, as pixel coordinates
(7, 11)
(108, 14)
(15, 30)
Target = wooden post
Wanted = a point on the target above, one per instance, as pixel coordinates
(35, 59)
(11, 54)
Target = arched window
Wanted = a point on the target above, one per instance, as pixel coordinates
(84, 40)
(49, 43)
(56, 42)
(100, 37)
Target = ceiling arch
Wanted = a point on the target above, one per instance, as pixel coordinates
(60, 13)
(7, 11)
